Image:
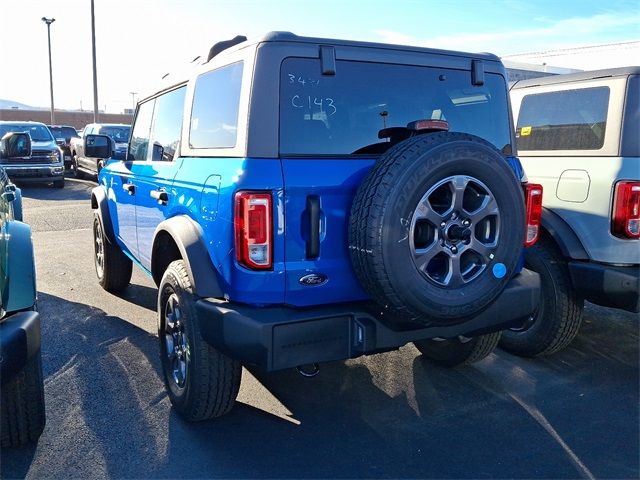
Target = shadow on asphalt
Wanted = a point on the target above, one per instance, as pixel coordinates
(73, 190)
(390, 415)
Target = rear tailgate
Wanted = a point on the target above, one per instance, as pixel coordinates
(331, 184)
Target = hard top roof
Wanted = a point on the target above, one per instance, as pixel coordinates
(573, 77)
(181, 75)
(291, 37)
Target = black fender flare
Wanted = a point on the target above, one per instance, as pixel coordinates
(188, 237)
(99, 203)
(563, 235)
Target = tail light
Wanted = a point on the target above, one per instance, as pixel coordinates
(625, 220)
(253, 228)
(533, 202)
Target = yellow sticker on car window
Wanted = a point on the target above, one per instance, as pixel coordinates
(524, 131)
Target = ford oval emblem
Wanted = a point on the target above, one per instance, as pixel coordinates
(313, 280)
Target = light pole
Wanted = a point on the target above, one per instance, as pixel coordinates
(133, 101)
(49, 21)
(95, 73)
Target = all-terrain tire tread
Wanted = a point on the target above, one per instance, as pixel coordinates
(23, 411)
(567, 317)
(217, 377)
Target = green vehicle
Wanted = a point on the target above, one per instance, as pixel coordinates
(21, 386)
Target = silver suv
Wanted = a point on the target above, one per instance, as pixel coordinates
(578, 136)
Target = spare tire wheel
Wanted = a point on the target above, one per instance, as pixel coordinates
(437, 227)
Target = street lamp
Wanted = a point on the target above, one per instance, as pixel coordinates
(49, 21)
(133, 100)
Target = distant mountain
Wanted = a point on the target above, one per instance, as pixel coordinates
(9, 104)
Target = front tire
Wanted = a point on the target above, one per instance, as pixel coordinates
(58, 183)
(77, 173)
(201, 382)
(559, 316)
(23, 412)
(455, 351)
(113, 267)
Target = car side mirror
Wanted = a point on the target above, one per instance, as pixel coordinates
(97, 146)
(15, 145)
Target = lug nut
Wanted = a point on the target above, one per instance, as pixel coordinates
(454, 249)
(454, 215)
(466, 223)
(443, 224)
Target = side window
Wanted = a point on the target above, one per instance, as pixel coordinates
(564, 120)
(167, 123)
(214, 119)
(140, 134)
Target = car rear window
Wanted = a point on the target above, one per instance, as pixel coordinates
(342, 114)
(64, 132)
(118, 134)
(563, 120)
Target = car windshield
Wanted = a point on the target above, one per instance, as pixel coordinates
(64, 132)
(39, 133)
(345, 113)
(118, 134)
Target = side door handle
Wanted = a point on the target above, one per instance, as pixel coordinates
(130, 188)
(160, 195)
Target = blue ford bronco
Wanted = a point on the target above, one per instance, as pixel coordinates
(22, 389)
(301, 200)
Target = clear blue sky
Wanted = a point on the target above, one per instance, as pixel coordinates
(140, 40)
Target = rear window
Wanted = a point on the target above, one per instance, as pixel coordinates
(64, 132)
(565, 120)
(343, 113)
(118, 134)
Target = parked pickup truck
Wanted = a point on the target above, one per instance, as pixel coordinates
(82, 165)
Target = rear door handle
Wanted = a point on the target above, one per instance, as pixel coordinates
(130, 188)
(160, 195)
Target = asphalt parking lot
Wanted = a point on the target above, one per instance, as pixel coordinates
(573, 415)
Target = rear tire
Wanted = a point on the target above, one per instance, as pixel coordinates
(23, 411)
(453, 352)
(113, 267)
(559, 316)
(201, 382)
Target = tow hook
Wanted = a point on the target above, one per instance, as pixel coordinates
(308, 372)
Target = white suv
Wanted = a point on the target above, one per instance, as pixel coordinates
(578, 136)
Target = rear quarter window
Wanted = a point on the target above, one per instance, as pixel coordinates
(630, 145)
(216, 103)
(563, 120)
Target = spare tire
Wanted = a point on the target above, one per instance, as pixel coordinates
(437, 227)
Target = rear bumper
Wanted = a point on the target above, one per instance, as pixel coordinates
(275, 338)
(606, 285)
(19, 342)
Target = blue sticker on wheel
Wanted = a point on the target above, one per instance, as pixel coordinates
(499, 270)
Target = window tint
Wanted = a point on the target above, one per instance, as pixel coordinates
(63, 132)
(343, 114)
(631, 124)
(566, 120)
(167, 124)
(214, 119)
(140, 135)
